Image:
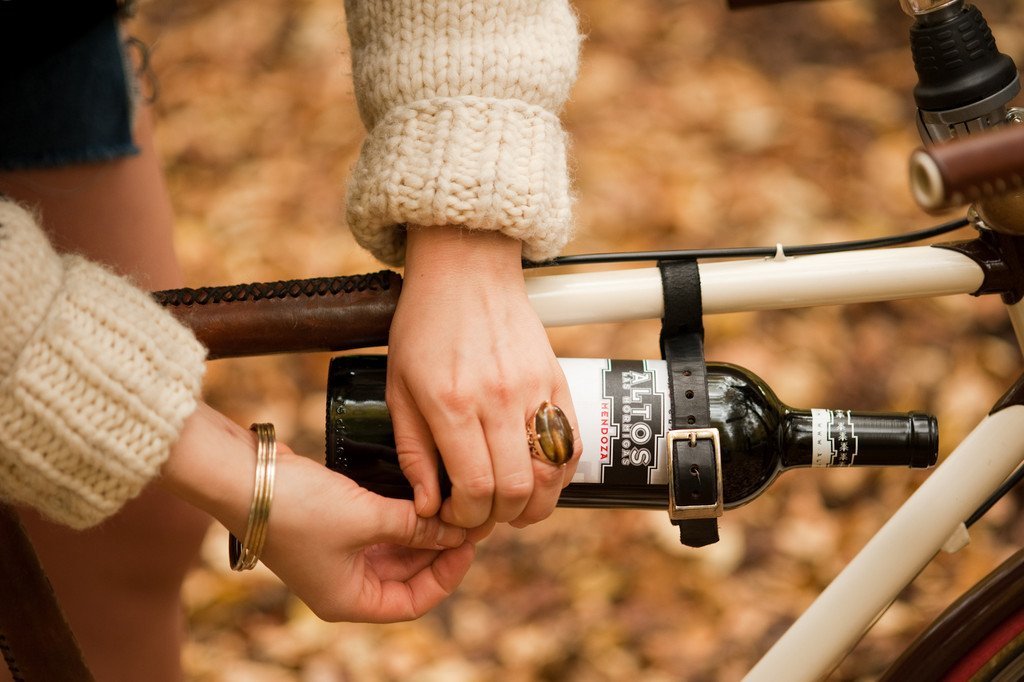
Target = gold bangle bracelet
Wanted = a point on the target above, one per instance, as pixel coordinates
(244, 555)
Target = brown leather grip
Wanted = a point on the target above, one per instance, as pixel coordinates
(329, 313)
(968, 169)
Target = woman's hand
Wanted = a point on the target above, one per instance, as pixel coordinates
(349, 554)
(469, 363)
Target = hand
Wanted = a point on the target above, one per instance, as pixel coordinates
(469, 363)
(349, 554)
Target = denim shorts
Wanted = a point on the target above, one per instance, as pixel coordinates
(74, 106)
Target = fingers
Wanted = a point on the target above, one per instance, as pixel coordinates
(417, 454)
(549, 479)
(353, 555)
(464, 450)
(475, 535)
(401, 525)
(514, 480)
(431, 585)
(487, 457)
(546, 489)
(561, 397)
(421, 564)
(398, 600)
(482, 490)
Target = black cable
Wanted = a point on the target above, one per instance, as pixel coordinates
(752, 251)
(1000, 492)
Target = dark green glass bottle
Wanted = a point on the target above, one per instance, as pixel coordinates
(623, 411)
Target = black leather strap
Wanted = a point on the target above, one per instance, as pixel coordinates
(682, 344)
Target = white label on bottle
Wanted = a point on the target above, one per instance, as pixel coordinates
(834, 443)
(623, 412)
(821, 453)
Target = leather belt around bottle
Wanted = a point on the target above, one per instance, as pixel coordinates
(695, 456)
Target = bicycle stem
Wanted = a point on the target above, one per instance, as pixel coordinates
(964, 82)
(965, 86)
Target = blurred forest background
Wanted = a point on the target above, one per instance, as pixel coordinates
(692, 126)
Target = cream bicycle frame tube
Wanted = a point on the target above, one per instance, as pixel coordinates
(839, 617)
(1016, 312)
(766, 284)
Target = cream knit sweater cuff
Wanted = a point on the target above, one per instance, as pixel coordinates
(486, 164)
(95, 380)
(461, 101)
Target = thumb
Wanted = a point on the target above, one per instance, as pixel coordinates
(398, 523)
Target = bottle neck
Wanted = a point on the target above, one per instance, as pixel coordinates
(840, 438)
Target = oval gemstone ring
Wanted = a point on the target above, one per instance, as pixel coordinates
(550, 434)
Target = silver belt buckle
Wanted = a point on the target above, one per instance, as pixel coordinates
(678, 512)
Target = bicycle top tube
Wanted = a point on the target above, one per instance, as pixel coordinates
(764, 284)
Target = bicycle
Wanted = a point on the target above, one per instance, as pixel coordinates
(827, 278)
(956, 493)
(965, 279)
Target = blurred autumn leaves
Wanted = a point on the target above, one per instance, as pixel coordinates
(691, 127)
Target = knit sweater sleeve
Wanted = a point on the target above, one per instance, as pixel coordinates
(95, 380)
(461, 99)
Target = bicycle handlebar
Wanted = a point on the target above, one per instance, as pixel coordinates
(355, 312)
(968, 169)
(328, 313)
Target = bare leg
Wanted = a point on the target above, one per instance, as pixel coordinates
(118, 583)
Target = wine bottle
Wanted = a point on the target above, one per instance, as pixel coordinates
(624, 412)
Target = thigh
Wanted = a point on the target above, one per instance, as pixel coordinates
(119, 582)
(116, 212)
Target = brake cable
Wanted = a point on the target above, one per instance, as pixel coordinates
(752, 251)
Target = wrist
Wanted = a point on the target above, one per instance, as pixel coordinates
(211, 466)
(454, 251)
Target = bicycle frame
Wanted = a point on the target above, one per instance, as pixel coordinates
(868, 276)
(935, 512)
(931, 517)
(890, 561)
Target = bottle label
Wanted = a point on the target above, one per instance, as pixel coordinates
(623, 412)
(835, 439)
